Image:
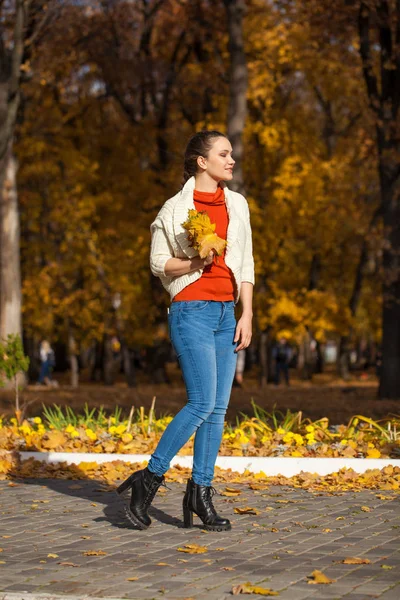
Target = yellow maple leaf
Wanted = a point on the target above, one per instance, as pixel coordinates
(193, 549)
(201, 234)
(54, 439)
(249, 588)
(257, 486)
(320, 577)
(246, 510)
(373, 453)
(355, 560)
(94, 553)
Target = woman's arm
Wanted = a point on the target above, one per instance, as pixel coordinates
(162, 260)
(180, 266)
(244, 325)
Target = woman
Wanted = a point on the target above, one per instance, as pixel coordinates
(202, 323)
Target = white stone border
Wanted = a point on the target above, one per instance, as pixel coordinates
(286, 466)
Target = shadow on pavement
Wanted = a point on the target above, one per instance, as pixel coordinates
(97, 492)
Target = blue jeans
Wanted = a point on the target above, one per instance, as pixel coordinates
(201, 333)
(45, 371)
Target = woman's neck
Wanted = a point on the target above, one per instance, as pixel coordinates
(205, 183)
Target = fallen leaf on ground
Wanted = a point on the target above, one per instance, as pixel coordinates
(248, 588)
(132, 578)
(163, 564)
(193, 549)
(327, 530)
(354, 560)
(228, 569)
(319, 577)
(366, 509)
(257, 486)
(94, 553)
(219, 549)
(68, 564)
(247, 510)
(387, 567)
(383, 497)
(52, 556)
(86, 537)
(339, 519)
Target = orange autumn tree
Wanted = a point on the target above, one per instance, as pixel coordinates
(310, 176)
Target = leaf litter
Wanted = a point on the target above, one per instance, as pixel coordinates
(111, 473)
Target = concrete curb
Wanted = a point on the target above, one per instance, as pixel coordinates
(285, 466)
(30, 596)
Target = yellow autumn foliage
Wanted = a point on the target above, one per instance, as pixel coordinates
(201, 234)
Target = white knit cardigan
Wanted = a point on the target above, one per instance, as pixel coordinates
(169, 239)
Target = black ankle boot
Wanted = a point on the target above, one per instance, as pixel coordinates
(198, 500)
(144, 485)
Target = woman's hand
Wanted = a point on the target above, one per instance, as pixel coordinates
(209, 258)
(174, 267)
(243, 332)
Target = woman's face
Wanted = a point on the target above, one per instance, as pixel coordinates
(219, 162)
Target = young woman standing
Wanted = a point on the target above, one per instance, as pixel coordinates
(202, 324)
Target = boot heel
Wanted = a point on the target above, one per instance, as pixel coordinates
(187, 518)
(125, 485)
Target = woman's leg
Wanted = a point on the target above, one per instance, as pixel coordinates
(44, 371)
(209, 435)
(192, 326)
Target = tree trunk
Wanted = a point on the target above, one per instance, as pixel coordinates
(390, 373)
(382, 78)
(98, 361)
(10, 276)
(129, 366)
(73, 360)
(263, 359)
(237, 109)
(343, 360)
(306, 365)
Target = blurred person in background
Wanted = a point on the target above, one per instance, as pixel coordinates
(241, 360)
(48, 362)
(282, 354)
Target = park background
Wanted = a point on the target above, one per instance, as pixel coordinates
(97, 101)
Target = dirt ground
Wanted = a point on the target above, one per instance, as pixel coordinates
(325, 396)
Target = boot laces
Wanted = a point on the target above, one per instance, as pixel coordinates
(210, 492)
(152, 490)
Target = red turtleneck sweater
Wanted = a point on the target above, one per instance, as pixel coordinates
(216, 281)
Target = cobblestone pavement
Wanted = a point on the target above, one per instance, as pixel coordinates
(46, 526)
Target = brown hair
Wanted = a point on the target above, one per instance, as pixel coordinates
(199, 145)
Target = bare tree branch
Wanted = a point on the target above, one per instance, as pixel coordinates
(365, 52)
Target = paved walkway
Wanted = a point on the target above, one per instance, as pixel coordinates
(47, 526)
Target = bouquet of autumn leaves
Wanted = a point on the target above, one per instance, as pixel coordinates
(201, 234)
